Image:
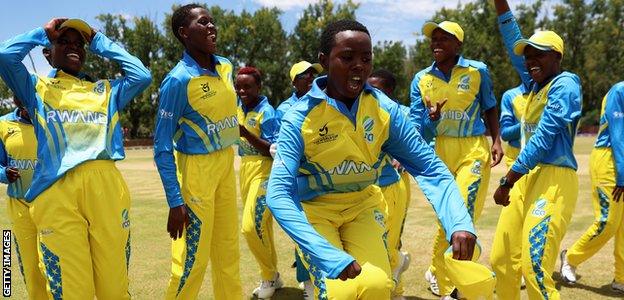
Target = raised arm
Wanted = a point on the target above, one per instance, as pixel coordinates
(283, 200)
(511, 33)
(136, 76)
(14, 72)
(433, 177)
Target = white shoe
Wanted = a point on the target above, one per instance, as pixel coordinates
(308, 290)
(568, 272)
(267, 287)
(616, 286)
(404, 262)
(433, 283)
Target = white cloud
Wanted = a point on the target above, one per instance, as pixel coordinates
(285, 4)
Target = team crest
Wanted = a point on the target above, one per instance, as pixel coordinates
(207, 92)
(368, 125)
(125, 219)
(539, 210)
(476, 168)
(99, 88)
(464, 83)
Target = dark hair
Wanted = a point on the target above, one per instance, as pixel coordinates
(329, 33)
(387, 77)
(180, 18)
(255, 73)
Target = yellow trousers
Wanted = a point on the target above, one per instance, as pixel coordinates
(257, 225)
(209, 190)
(354, 223)
(511, 153)
(84, 233)
(468, 159)
(25, 236)
(530, 230)
(395, 207)
(608, 222)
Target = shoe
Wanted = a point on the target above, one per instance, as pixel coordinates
(267, 287)
(568, 272)
(433, 283)
(308, 290)
(618, 287)
(522, 282)
(404, 262)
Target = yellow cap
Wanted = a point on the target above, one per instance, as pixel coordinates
(303, 66)
(472, 279)
(448, 26)
(542, 40)
(79, 25)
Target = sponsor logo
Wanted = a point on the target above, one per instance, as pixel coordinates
(216, 127)
(195, 200)
(77, 116)
(429, 84)
(11, 131)
(379, 218)
(325, 136)
(251, 122)
(530, 127)
(125, 219)
(539, 210)
(165, 114)
(99, 88)
(207, 92)
(23, 164)
(618, 114)
(464, 83)
(347, 167)
(46, 231)
(55, 83)
(456, 115)
(368, 123)
(476, 168)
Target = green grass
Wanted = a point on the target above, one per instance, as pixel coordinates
(150, 262)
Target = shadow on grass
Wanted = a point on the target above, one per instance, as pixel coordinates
(604, 290)
(291, 293)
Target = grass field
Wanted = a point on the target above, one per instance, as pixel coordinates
(150, 262)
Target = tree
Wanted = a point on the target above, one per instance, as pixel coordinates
(392, 56)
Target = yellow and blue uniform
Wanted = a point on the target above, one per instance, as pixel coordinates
(512, 107)
(197, 117)
(79, 201)
(254, 173)
(285, 106)
(18, 149)
(607, 172)
(322, 192)
(543, 200)
(395, 187)
(459, 136)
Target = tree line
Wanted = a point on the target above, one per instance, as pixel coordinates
(592, 31)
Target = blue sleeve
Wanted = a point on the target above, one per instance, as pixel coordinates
(171, 105)
(433, 177)
(511, 34)
(136, 76)
(4, 161)
(269, 128)
(614, 112)
(486, 91)
(418, 112)
(509, 126)
(13, 71)
(283, 201)
(563, 107)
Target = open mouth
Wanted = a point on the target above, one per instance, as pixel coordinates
(73, 56)
(437, 51)
(535, 71)
(355, 83)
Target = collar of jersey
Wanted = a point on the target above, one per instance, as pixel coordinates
(461, 62)
(54, 73)
(317, 92)
(263, 101)
(193, 67)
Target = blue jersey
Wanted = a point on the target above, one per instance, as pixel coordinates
(18, 149)
(261, 121)
(75, 120)
(468, 90)
(552, 111)
(324, 147)
(285, 106)
(512, 106)
(197, 114)
(611, 134)
(388, 174)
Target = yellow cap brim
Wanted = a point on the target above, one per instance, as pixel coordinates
(79, 25)
(317, 67)
(521, 44)
(429, 27)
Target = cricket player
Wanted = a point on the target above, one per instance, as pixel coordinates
(512, 107)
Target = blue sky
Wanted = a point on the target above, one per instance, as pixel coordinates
(385, 19)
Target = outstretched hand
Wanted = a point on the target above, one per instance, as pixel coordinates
(434, 111)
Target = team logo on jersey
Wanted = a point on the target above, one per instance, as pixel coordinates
(368, 123)
(207, 92)
(99, 88)
(216, 127)
(539, 210)
(464, 83)
(23, 164)
(618, 114)
(476, 168)
(379, 218)
(530, 127)
(11, 131)
(456, 115)
(125, 219)
(77, 116)
(325, 136)
(251, 122)
(165, 114)
(55, 83)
